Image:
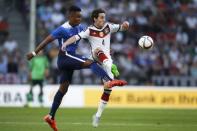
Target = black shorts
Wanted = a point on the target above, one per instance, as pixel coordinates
(37, 82)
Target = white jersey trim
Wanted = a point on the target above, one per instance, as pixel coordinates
(66, 25)
(76, 58)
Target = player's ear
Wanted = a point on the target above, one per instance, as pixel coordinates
(95, 19)
(69, 16)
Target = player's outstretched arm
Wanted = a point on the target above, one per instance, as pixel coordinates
(125, 26)
(71, 40)
(45, 42)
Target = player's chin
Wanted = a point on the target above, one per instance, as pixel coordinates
(77, 22)
(102, 24)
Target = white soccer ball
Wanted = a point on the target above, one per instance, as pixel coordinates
(145, 42)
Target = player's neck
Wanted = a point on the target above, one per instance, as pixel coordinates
(98, 27)
(71, 24)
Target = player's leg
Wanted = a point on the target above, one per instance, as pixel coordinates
(106, 62)
(65, 80)
(40, 96)
(77, 62)
(107, 91)
(58, 98)
(96, 69)
(103, 103)
(50, 118)
(29, 95)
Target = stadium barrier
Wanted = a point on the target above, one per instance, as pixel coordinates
(15, 96)
(89, 96)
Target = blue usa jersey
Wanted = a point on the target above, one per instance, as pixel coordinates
(64, 32)
(68, 61)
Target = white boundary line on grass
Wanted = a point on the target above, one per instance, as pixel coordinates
(103, 124)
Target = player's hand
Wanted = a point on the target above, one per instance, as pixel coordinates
(63, 48)
(29, 56)
(125, 25)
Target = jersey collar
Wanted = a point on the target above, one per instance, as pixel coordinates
(100, 28)
(67, 25)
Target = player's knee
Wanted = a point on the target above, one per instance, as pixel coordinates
(64, 87)
(87, 63)
(97, 51)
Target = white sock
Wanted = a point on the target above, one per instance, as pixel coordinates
(101, 108)
(107, 65)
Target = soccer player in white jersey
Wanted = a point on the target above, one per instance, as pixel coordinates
(99, 35)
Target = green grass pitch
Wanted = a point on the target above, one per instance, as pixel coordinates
(79, 119)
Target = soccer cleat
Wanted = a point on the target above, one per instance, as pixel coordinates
(114, 70)
(51, 122)
(113, 83)
(95, 121)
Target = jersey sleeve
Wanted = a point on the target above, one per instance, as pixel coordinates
(83, 34)
(57, 33)
(114, 27)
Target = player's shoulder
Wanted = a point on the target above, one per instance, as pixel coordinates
(82, 27)
(66, 25)
(62, 27)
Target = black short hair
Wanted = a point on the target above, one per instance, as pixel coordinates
(95, 13)
(74, 8)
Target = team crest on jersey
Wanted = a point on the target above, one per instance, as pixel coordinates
(101, 34)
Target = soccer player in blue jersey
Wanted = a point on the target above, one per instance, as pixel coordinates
(68, 61)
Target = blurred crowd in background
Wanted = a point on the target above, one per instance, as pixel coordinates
(171, 23)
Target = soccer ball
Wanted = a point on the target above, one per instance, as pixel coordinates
(145, 42)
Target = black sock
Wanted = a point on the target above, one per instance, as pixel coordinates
(56, 103)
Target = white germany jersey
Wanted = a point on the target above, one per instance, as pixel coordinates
(99, 38)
